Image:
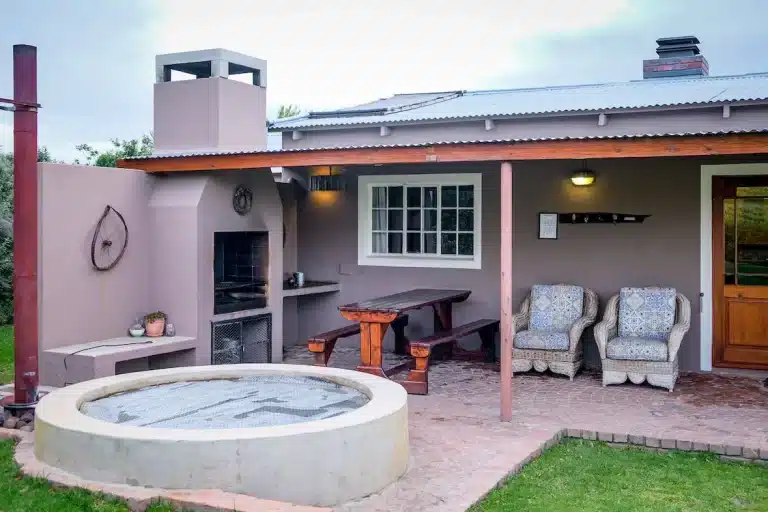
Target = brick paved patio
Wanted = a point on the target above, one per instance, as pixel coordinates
(460, 450)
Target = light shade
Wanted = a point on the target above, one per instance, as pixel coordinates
(583, 178)
(326, 182)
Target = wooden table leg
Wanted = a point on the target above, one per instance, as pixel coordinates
(371, 340)
(401, 340)
(443, 321)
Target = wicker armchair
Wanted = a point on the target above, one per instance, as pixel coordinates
(640, 336)
(546, 333)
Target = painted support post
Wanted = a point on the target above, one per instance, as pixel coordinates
(507, 223)
(25, 227)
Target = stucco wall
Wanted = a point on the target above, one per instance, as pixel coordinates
(215, 213)
(579, 125)
(207, 114)
(290, 195)
(328, 251)
(664, 250)
(77, 302)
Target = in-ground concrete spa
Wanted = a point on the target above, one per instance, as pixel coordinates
(305, 435)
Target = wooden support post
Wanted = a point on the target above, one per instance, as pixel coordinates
(507, 223)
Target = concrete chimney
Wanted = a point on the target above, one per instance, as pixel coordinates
(678, 56)
(209, 112)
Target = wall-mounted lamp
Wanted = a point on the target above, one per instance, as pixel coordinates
(327, 182)
(583, 177)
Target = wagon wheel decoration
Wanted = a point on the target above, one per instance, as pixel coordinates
(109, 240)
(242, 200)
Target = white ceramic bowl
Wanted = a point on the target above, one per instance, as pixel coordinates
(136, 332)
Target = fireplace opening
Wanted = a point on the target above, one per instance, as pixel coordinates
(240, 269)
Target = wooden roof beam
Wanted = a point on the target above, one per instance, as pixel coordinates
(672, 146)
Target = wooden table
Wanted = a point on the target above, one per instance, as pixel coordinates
(375, 315)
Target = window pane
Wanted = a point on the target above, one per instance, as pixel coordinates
(448, 220)
(414, 197)
(413, 242)
(467, 196)
(430, 197)
(395, 220)
(379, 197)
(430, 243)
(379, 220)
(466, 244)
(379, 243)
(466, 220)
(395, 243)
(430, 220)
(448, 243)
(395, 197)
(448, 196)
(414, 220)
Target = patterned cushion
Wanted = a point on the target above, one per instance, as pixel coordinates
(555, 307)
(647, 313)
(541, 340)
(637, 349)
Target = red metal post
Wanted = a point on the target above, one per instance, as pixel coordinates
(507, 228)
(25, 224)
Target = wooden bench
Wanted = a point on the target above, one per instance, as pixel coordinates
(322, 345)
(417, 382)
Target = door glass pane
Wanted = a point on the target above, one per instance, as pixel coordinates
(730, 240)
(752, 191)
(751, 241)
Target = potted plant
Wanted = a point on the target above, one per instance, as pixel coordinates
(154, 323)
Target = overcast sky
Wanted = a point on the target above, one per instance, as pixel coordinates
(96, 65)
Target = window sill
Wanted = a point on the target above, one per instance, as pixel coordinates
(458, 262)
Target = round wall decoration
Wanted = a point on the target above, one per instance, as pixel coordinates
(242, 200)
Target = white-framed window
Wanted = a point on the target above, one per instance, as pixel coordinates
(420, 220)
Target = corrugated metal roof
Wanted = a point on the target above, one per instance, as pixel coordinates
(452, 142)
(639, 94)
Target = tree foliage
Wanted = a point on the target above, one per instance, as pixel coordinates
(6, 230)
(120, 149)
(288, 111)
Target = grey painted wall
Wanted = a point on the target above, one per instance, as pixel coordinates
(664, 250)
(659, 121)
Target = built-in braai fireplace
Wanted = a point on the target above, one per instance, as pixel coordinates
(240, 270)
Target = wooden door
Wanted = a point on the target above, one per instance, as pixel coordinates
(740, 272)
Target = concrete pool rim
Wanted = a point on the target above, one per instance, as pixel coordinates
(321, 462)
(63, 408)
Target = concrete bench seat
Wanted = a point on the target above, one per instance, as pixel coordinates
(76, 363)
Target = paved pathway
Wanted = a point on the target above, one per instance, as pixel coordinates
(460, 449)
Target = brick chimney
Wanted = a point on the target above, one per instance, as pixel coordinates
(209, 112)
(678, 56)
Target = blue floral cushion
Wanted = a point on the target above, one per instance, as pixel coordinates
(541, 340)
(647, 313)
(636, 349)
(555, 307)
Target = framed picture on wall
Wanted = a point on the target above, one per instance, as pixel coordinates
(548, 226)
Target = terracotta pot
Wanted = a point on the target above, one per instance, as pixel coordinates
(155, 327)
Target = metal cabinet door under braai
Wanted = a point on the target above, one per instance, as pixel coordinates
(245, 340)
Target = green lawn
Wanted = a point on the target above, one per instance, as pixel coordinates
(590, 476)
(6, 354)
(22, 494)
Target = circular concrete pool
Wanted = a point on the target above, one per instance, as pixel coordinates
(300, 434)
